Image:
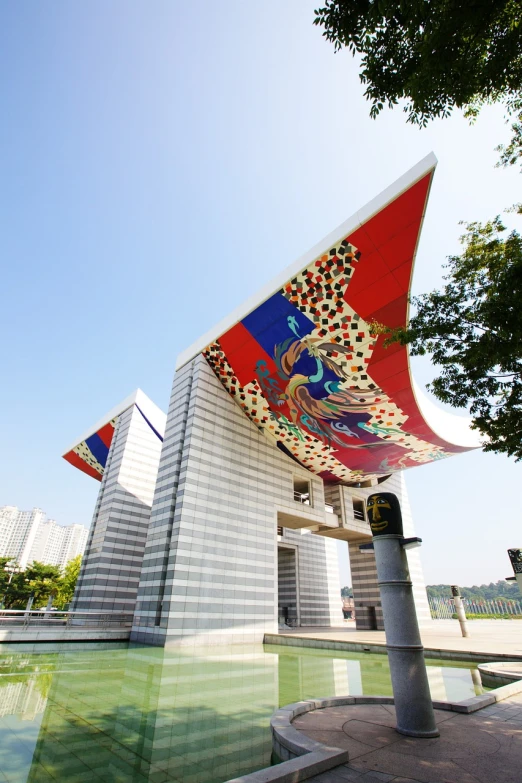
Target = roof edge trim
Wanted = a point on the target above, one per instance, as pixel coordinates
(358, 219)
(155, 417)
(455, 430)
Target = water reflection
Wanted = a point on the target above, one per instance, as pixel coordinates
(147, 715)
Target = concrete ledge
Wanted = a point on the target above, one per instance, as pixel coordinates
(287, 742)
(486, 699)
(500, 673)
(293, 771)
(473, 704)
(380, 648)
(35, 634)
(302, 757)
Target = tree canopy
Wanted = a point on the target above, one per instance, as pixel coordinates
(40, 581)
(435, 55)
(473, 330)
(438, 55)
(4, 574)
(68, 583)
(499, 591)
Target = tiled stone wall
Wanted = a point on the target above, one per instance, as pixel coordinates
(319, 585)
(362, 564)
(317, 575)
(112, 562)
(366, 594)
(210, 563)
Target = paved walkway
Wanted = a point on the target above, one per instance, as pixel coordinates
(492, 637)
(484, 747)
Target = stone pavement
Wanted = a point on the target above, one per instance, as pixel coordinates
(483, 747)
(490, 638)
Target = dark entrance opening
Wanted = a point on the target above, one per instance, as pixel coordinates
(287, 586)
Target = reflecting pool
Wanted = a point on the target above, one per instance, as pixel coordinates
(130, 714)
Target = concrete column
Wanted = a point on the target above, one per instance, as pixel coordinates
(411, 691)
(459, 608)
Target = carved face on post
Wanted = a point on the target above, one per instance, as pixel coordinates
(384, 514)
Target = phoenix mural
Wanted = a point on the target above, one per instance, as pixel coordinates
(307, 371)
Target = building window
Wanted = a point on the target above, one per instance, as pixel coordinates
(358, 509)
(302, 491)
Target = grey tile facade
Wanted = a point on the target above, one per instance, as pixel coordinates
(113, 557)
(368, 610)
(210, 563)
(308, 578)
(203, 539)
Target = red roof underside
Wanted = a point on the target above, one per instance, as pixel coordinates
(379, 291)
(79, 463)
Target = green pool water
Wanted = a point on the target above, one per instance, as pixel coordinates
(124, 713)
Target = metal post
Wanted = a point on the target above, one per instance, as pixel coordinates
(515, 555)
(411, 691)
(459, 608)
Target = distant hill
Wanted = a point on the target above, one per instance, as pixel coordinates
(500, 590)
(496, 592)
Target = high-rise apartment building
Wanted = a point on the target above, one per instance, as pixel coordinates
(26, 536)
(57, 544)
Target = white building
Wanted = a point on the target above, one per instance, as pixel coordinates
(26, 536)
(283, 421)
(57, 544)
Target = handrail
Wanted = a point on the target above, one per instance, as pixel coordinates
(25, 618)
(58, 611)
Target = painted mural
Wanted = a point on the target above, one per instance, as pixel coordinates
(305, 369)
(90, 455)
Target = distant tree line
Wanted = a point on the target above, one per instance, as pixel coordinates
(38, 580)
(499, 591)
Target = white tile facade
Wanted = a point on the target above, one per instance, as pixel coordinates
(206, 564)
(112, 563)
(210, 563)
(26, 536)
(308, 578)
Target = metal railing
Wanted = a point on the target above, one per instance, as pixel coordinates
(444, 608)
(22, 619)
(302, 497)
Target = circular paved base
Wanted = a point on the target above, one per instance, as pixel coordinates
(471, 748)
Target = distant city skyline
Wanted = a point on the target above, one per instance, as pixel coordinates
(29, 536)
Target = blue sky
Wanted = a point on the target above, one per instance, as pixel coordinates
(159, 163)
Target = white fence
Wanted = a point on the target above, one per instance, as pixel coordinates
(444, 608)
